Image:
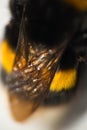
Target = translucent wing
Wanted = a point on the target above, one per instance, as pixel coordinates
(33, 70)
(32, 77)
(34, 67)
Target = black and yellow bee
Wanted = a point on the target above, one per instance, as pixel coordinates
(45, 43)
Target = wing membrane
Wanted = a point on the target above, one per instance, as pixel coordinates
(34, 67)
(34, 79)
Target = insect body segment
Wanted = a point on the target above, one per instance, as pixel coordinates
(64, 80)
(8, 56)
(79, 4)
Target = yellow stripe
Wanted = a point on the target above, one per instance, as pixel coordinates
(79, 4)
(64, 79)
(8, 56)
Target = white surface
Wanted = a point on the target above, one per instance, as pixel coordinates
(43, 119)
(4, 16)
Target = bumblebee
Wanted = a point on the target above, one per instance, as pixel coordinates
(45, 43)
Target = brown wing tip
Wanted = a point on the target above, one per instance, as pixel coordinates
(20, 109)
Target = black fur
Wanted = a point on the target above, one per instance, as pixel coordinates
(47, 21)
(55, 98)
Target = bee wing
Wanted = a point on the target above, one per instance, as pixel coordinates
(33, 70)
(29, 86)
(21, 50)
(34, 67)
(33, 80)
